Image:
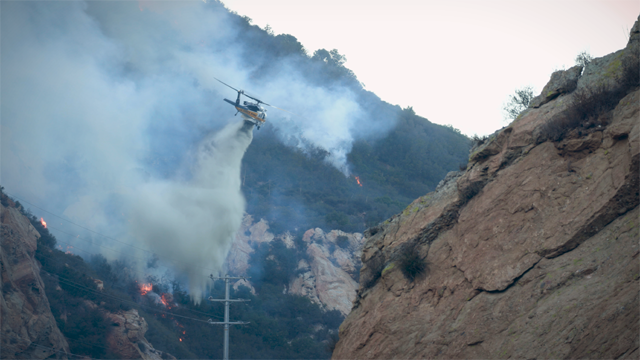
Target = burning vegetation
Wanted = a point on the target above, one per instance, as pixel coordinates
(145, 289)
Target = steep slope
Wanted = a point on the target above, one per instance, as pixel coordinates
(29, 330)
(532, 252)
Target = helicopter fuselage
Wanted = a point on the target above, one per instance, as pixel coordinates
(250, 111)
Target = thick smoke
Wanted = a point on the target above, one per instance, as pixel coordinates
(192, 224)
(104, 102)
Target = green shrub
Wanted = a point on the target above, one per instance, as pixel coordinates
(583, 59)
(518, 102)
(343, 241)
(585, 111)
(411, 263)
(467, 193)
(589, 105)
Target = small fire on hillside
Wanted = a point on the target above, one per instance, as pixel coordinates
(145, 288)
(67, 251)
(167, 300)
(44, 223)
(358, 180)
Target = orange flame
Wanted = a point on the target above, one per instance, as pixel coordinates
(166, 301)
(180, 339)
(68, 251)
(145, 288)
(44, 223)
(358, 180)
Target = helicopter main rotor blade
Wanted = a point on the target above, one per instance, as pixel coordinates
(256, 99)
(228, 85)
(290, 112)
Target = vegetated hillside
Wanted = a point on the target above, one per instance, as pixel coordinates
(293, 190)
(532, 252)
(104, 312)
(397, 154)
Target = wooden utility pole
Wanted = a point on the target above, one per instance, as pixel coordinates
(226, 300)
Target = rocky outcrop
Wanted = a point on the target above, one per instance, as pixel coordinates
(329, 277)
(532, 252)
(29, 330)
(241, 250)
(562, 82)
(126, 339)
(329, 274)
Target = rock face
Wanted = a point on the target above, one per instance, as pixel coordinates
(249, 233)
(562, 82)
(328, 278)
(532, 252)
(127, 340)
(29, 330)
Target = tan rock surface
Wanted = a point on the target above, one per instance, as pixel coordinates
(248, 234)
(29, 330)
(532, 252)
(127, 340)
(328, 279)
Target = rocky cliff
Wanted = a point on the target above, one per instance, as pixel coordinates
(29, 330)
(329, 274)
(532, 252)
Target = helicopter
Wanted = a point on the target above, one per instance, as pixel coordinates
(250, 111)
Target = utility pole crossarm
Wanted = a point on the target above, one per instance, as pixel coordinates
(226, 301)
(227, 323)
(228, 277)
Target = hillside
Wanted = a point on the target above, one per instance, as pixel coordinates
(397, 155)
(57, 305)
(532, 251)
(293, 190)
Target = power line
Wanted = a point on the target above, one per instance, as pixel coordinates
(59, 351)
(49, 227)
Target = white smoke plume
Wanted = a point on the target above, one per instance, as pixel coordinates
(192, 224)
(104, 101)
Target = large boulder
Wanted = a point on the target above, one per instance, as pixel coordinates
(561, 82)
(127, 340)
(329, 277)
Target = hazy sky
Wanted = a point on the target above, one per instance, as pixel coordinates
(454, 61)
